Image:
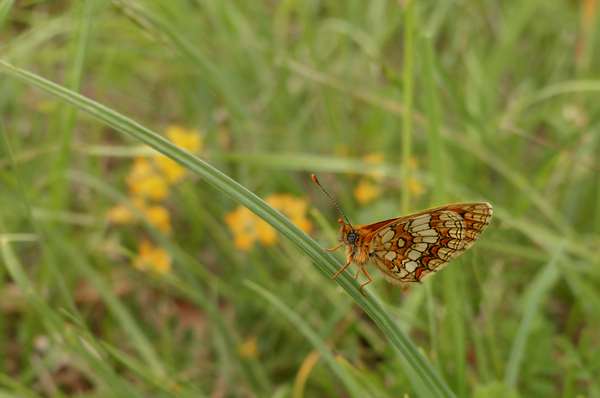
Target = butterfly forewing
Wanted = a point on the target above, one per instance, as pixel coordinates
(407, 249)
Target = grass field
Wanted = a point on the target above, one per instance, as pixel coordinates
(127, 272)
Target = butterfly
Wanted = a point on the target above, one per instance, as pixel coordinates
(409, 248)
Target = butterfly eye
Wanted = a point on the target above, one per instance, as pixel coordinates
(351, 237)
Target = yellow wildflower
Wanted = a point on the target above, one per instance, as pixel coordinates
(413, 163)
(170, 169)
(120, 214)
(366, 191)
(152, 258)
(247, 228)
(145, 182)
(156, 215)
(415, 186)
(375, 158)
(188, 139)
(294, 208)
(266, 233)
(184, 138)
(249, 348)
(159, 217)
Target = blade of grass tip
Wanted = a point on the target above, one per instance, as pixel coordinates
(534, 297)
(346, 378)
(425, 380)
(407, 81)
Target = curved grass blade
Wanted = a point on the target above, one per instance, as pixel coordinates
(425, 380)
(534, 297)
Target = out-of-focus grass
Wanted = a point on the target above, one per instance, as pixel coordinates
(505, 109)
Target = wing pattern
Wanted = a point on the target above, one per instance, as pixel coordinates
(407, 249)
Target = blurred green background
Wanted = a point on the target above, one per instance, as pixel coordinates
(124, 274)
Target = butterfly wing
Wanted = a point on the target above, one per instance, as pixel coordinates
(407, 249)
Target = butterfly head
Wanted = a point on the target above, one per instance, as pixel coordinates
(348, 234)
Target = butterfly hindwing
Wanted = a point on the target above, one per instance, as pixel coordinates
(407, 249)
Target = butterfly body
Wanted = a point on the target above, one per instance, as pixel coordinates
(410, 248)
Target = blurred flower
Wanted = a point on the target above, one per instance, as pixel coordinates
(366, 191)
(155, 214)
(152, 258)
(413, 163)
(159, 217)
(120, 214)
(249, 348)
(123, 214)
(149, 181)
(143, 181)
(187, 139)
(247, 228)
(294, 208)
(415, 186)
(375, 158)
(170, 169)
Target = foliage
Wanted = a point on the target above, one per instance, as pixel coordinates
(126, 273)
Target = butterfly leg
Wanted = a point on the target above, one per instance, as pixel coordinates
(332, 249)
(362, 286)
(344, 268)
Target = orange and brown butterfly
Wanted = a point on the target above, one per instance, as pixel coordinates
(409, 248)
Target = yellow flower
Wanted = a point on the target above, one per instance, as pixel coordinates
(247, 228)
(188, 139)
(294, 208)
(184, 138)
(375, 158)
(152, 258)
(159, 217)
(366, 192)
(156, 215)
(170, 169)
(249, 348)
(413, 163)
(415, 186)
(120, 214)
(145, 182)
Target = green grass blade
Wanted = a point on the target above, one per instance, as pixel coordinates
(407, 82)
(67, 116)
(425, 380)
(536, 293)
(5, 7)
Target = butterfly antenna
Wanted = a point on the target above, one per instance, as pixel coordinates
(331, 198)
